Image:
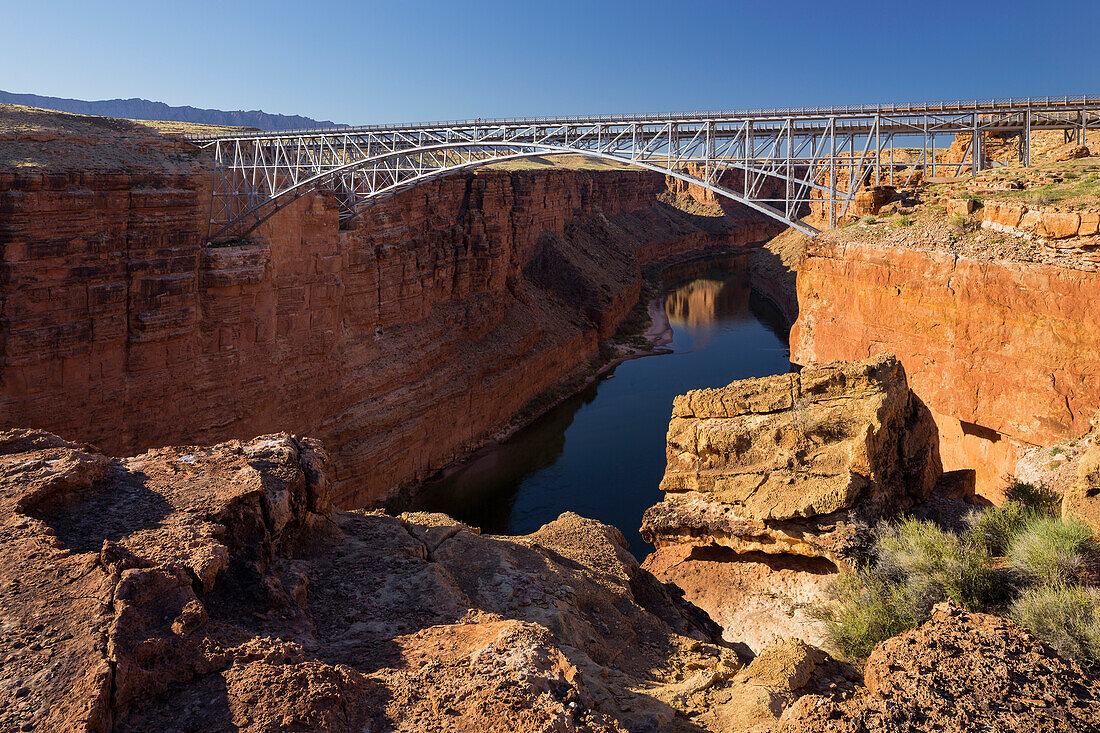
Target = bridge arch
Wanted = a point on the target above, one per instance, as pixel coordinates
(268, 207)
(824, 154)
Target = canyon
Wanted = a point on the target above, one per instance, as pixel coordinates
(231, 567)
(123, 330)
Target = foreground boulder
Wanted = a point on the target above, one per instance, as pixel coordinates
(766, 479)
(959, 672)
(215, 589)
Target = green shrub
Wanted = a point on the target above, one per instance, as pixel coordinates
(870, 220)
(995, 528)
(905, 220)
(960, 222)
(1066, 617)
(1038, 498)
(864, 609)
(1040, 197)
(914, 564)
(1052, 550)
(934, 564)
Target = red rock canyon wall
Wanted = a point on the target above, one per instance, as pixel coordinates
(398, 342)
(1004, 353)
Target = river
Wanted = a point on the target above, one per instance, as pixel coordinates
(601, 453)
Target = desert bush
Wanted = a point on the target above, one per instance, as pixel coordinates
(905, 220)
(864, 609)
(1066, 617)
(995, 528)
(934, 564)
(870, 220)
(1038, 498)
(960, 223)
(913, 564)
(1039, 198)
(1052, 550)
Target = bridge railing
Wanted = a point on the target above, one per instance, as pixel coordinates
(975, 105)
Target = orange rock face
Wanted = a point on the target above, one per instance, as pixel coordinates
(399, 341)
(1060, 224)
(1004, 353)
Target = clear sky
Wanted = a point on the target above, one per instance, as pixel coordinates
(362, 62)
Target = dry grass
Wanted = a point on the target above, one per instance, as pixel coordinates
(173, 127)
(38, 139)
(916, 564)
(561, 162)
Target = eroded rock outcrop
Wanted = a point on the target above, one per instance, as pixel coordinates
(766, 479)
(212, 589)
(1082, 496)
(776, 464)
(957, 673)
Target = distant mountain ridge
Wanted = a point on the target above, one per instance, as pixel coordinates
(143, 109)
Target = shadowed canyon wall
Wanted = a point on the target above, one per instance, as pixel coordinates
(399, 341)
(1004, 353)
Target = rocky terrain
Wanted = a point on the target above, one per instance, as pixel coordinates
(957, 673)
(767, 480)
(216, 589)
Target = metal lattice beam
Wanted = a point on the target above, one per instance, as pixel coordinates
(783, 159)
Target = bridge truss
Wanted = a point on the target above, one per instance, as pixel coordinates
(780, 159)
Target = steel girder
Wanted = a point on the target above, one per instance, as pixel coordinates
(782, 159)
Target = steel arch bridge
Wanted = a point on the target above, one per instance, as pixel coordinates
(784, 158)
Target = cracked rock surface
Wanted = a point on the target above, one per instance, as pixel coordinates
(780, 464)
(215, 589)
(959, 672)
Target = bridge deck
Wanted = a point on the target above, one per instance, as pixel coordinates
(783, 160)
(921, 110)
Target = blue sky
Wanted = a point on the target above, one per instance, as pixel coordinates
(362, 62)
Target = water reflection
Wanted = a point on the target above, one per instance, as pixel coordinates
(601, 453)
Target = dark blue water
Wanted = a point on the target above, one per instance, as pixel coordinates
(601, 453)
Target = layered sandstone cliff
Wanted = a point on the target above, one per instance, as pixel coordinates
(1003, 352)
(401, 340)
(767, 480)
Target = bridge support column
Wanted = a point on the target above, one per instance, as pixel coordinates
(1025, 140)
(878, 151)
(832, 172)
(976, 144)
(890, 143)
